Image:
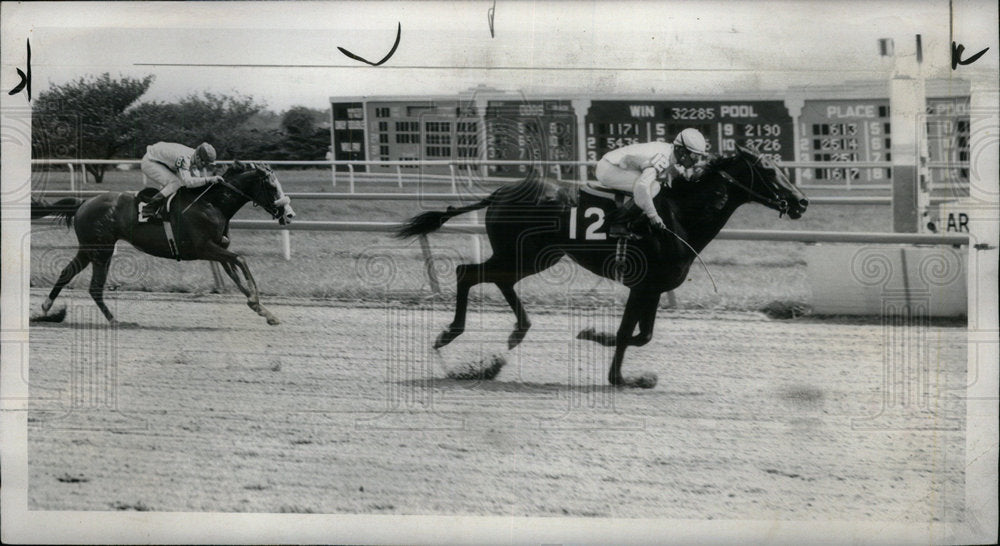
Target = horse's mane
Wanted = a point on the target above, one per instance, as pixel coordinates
(238, 167)
(716, 164)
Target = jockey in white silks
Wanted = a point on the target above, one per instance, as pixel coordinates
(638, 169)
(173, 166)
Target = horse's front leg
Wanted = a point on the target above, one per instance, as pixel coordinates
(230, 270)
(253, 300)
(647, 318)
(647, 306)
(635, 307)
(230, 262)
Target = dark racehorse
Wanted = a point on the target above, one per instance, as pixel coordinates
(200, 217)
(529, 233)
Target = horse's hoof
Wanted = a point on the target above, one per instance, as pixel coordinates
(516, 337)
(643, 381)
(586, 334)
(273, 321)
(446, 337)
(46, 305)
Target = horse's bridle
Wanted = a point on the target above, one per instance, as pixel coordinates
(274, 213)
(774, 201)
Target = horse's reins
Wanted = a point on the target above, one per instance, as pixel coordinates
(230, 186)
(207, 187)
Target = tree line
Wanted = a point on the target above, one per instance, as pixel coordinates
(100, 117)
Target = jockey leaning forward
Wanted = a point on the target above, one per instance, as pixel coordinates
(173, 166)
(639, 168)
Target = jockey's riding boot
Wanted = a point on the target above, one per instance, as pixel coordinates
(620, 220)
(154, 208)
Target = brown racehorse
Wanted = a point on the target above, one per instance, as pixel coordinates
(529, 234)
(201, 216)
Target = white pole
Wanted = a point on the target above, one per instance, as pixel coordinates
(984, 229)
(399, 176)
(333, 174)
(350, 171)
(286, 244)
(72, 177)
(454, 187)
(477, 245)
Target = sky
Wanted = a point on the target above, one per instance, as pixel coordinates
(286, 54)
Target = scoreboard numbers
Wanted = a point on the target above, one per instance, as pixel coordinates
(763, 125)
(534, 131)
(842, 131)
(825, 130)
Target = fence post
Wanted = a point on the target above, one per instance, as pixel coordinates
(399, 175)
(477, 251)
(72, 177)
(286, 244)
(350, 172)
(333, 174)
(425, 247)
(454, 187)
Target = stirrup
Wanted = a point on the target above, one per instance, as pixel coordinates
(621, 231)
(145, 214)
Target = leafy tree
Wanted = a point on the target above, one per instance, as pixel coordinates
(307, 134)
(298, 121)
(86, 118)
(218, 119)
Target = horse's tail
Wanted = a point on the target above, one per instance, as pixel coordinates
(429, 221)
(64, 208)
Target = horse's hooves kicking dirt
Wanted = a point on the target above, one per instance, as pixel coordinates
(485, 370)
(57, 316)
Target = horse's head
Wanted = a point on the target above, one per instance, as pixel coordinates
(262, 188)
(761, 181)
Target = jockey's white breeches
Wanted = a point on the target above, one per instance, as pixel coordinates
(642, 185)
(159, 175)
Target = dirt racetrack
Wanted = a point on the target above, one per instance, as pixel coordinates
(193, 403)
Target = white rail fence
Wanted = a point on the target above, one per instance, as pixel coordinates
(468, 172)
(475, 229)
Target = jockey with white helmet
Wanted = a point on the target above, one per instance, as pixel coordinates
(637, 168)
(173, 166)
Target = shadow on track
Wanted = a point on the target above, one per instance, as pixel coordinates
(128, 326)
(530, 387)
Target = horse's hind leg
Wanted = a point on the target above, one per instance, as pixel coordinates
(102, 264)
(467, 276)
(492, 270)
(523, 324)
(75, 266)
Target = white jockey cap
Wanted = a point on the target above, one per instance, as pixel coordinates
(692, 140)
(205, 152)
